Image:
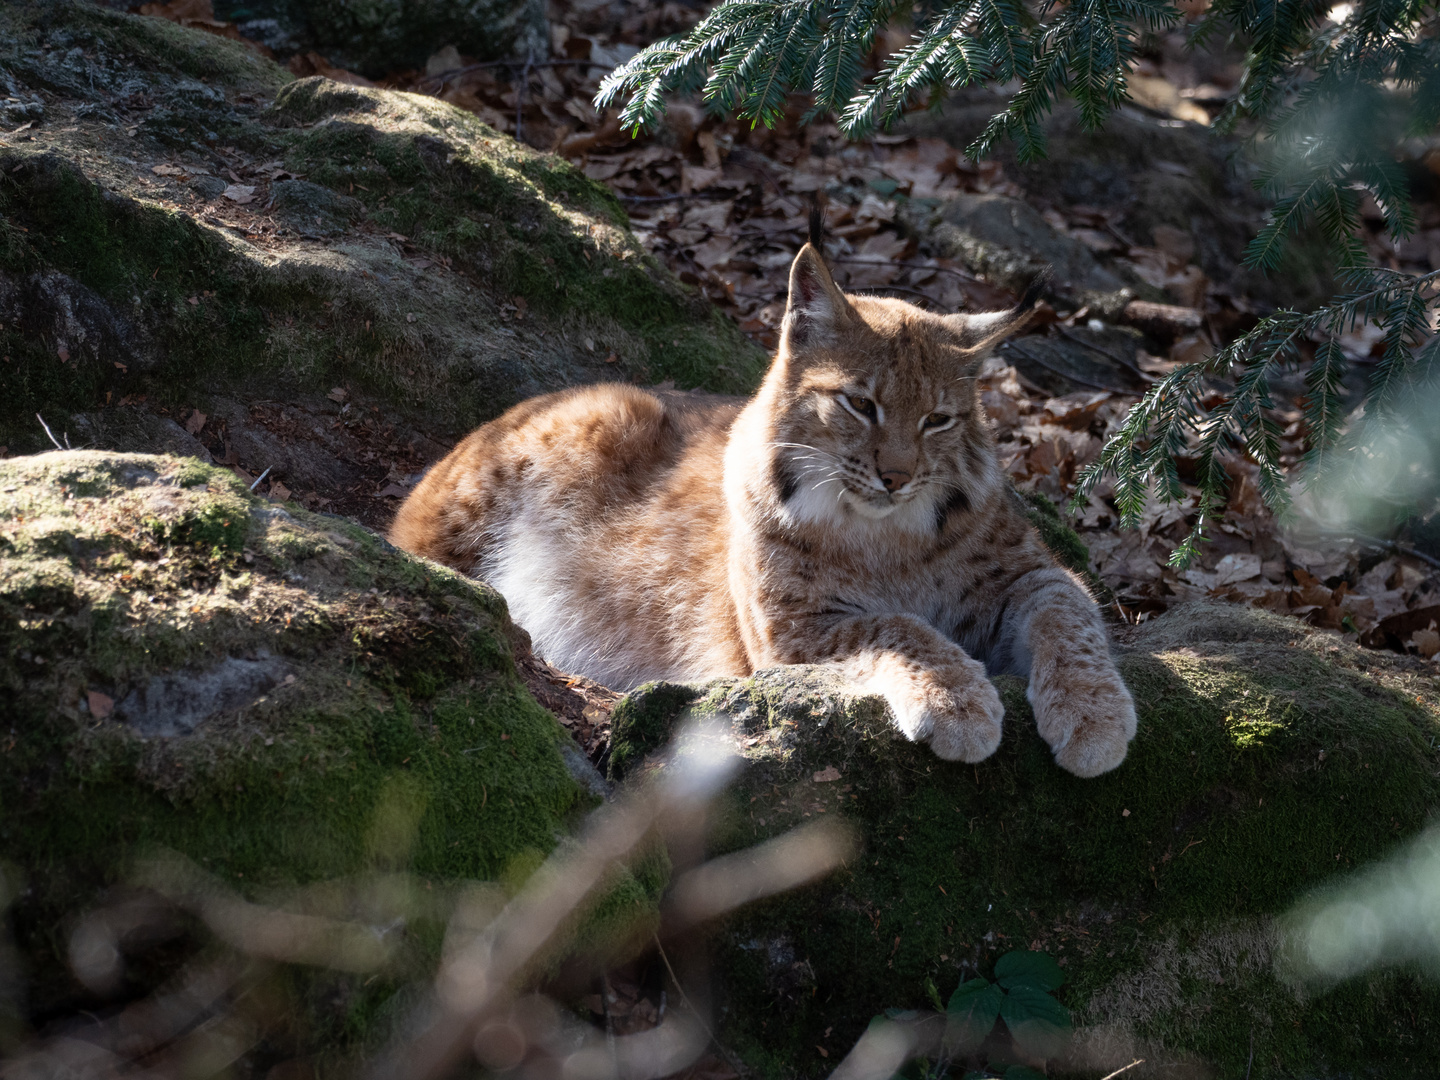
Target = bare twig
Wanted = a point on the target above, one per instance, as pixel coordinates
(1139, 1061)
(481, 977)
(878, 1054)
(48, 432)
(150, 1027)
(1388, 545)
(730, 1059)
(703, 193)
(262, 932)
(777, 865)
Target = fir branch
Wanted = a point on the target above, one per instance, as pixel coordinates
(1170, 420)
(1324, 408)
(1330, 101)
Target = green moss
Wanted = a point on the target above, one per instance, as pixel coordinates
(116, 249)
(1266, 762)
(190, 308)
(160, 45)
(529, 224)
(642, 722)
(121, 575)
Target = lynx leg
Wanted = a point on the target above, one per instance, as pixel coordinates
(937, 693)
(1082, 707)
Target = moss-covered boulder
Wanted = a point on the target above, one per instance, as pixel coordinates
(278, 697)
(1269, 760)
(185, 220)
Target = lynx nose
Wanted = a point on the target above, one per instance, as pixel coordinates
(894, 481)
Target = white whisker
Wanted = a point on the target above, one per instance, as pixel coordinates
(826, 454)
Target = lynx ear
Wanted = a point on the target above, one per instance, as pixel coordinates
(816, 308)
(980, 332)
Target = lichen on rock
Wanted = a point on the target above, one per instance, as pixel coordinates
(1269, 758)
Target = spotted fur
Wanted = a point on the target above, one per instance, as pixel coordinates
(851, 513)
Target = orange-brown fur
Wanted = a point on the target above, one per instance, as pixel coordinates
(641, 535)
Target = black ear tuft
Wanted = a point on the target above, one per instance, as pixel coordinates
(1038, 285)
(817, 221)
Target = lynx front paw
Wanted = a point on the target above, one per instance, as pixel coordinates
(1087, 718)
(962, 723)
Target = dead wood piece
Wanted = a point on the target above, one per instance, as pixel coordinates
(1164, 322)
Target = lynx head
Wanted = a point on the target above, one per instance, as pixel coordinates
(873, 406)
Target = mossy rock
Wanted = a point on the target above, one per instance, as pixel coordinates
(1269, 760)
(278, 697)
(433, 267)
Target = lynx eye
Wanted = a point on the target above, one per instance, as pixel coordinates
(937, 420)
(862, 405)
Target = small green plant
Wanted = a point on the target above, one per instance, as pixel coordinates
(1038, 1025)
(1020, 995)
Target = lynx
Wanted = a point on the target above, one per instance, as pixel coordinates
(851, 513)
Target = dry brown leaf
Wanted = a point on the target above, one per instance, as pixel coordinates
(1190, 349)
(1360, 609)
(1426, 642)
(1177, 245)
(714, 252)
(694, 178)
(714, 215)
(1237, 566)
(884, 245)
(240, 193)
(1102, 243)
(100, 705)
(1078, 409)
(1000, 408)
(603, 168)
